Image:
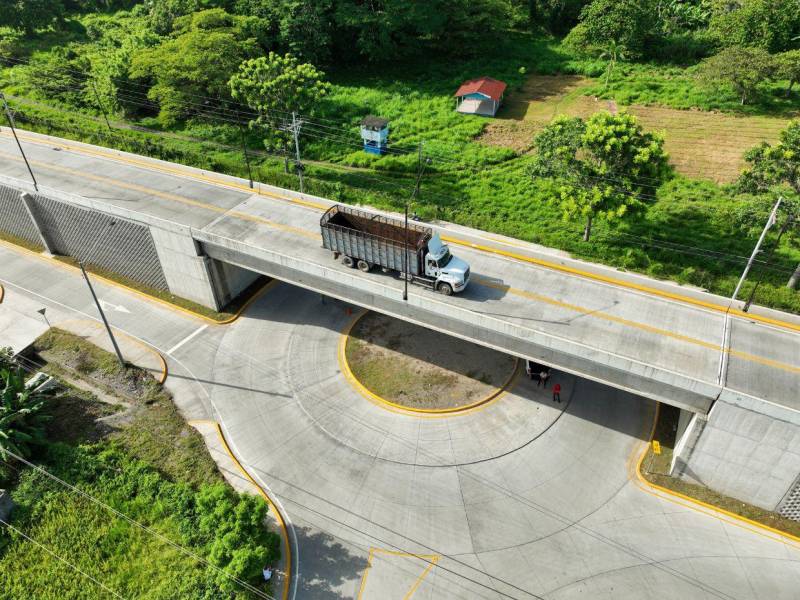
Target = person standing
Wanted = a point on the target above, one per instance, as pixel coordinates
(557, 393)
(543, 378)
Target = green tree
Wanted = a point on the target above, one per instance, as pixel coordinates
(209, 46)
(787, 66)
(612, 53)
(742, 68)
(600, 166)
(21, 412)
(767, 24)
(627, 23)
(275, 86)
(162, 13)
(30, 15)
(776, 169)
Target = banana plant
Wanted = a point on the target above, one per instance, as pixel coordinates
(21, 414)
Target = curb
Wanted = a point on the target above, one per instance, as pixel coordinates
(287, 553)
(704, 507)
(148, 297)
(430, 413)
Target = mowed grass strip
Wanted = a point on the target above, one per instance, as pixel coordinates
(702, 144)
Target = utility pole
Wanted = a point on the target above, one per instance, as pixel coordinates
(421, 164)
(10, 118)
(296, 131)
(788, 222)
(244, 149)
(100, 105)
(770, 222)
(96, 301)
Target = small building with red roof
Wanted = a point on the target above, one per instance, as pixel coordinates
(480, 96)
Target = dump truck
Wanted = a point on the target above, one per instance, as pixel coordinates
(367, 240)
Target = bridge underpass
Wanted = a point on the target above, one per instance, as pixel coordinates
(652, 338)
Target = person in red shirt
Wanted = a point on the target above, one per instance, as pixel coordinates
(557, 393)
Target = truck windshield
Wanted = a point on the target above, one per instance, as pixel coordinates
(444, 260)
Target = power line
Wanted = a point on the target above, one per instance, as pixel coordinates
(62, 559)
(137, 524)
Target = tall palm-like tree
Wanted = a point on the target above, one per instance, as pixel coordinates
(612, 52)
(21, 417)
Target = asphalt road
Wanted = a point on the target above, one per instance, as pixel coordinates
(523, 499)
(680, 338)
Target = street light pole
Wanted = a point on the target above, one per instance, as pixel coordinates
(94, 296)
(10, 119)
(770, 222)
(421, 164)
(752, 296)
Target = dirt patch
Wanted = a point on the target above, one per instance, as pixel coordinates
(422, 369)
(702, 145)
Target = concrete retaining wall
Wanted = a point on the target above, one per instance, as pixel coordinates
(742, 452)
(14, 219)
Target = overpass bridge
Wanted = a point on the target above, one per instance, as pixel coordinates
(672, 344)
(203, 236)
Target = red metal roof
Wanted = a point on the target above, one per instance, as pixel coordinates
(484, 85)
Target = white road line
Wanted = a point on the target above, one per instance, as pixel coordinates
(187, 338)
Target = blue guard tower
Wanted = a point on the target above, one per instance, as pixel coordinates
(375, 133)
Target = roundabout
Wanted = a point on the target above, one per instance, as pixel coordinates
(518, 497)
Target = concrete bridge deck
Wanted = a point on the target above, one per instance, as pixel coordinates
(662, 341)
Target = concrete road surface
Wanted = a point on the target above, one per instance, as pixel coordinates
(522, 499)
(681, 339)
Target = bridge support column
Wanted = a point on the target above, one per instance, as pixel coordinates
(27, 202)
(187, 271)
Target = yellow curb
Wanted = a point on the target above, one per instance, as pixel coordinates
(287, 550)
(143, 295)
(164, 369)
(454, 240)
(706, 508)
(429, 413)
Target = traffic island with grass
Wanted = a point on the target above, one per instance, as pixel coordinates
(116, 436)
(655, 468)
(420, 369)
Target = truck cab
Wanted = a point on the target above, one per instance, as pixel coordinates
(450, 273)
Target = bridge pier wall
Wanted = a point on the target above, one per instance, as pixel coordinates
(744, 452)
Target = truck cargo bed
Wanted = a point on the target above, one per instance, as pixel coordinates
(373, 238)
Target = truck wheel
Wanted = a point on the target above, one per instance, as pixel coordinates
(348, 262)
(445, 289)
(364, 266)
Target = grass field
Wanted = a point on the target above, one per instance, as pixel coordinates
(701, 144)
(145, 462)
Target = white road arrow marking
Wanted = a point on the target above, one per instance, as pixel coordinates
(113, 307)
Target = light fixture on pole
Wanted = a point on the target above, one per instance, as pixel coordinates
(421, 164)
(770, 222)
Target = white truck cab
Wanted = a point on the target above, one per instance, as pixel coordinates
(449, 272)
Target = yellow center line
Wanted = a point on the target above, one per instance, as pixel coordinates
(636, 325)
(166, 196)
(182, 172)
(481, 281)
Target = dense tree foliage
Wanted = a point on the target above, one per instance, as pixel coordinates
(768, 24)
(787, 67)
(195, 64)
(29, 15)
(624, 22)
(212, 521)
(743, 68)
(601, 166)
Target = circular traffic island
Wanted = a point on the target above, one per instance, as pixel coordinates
(411, 367)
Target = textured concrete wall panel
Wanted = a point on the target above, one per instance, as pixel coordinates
(14, 219)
